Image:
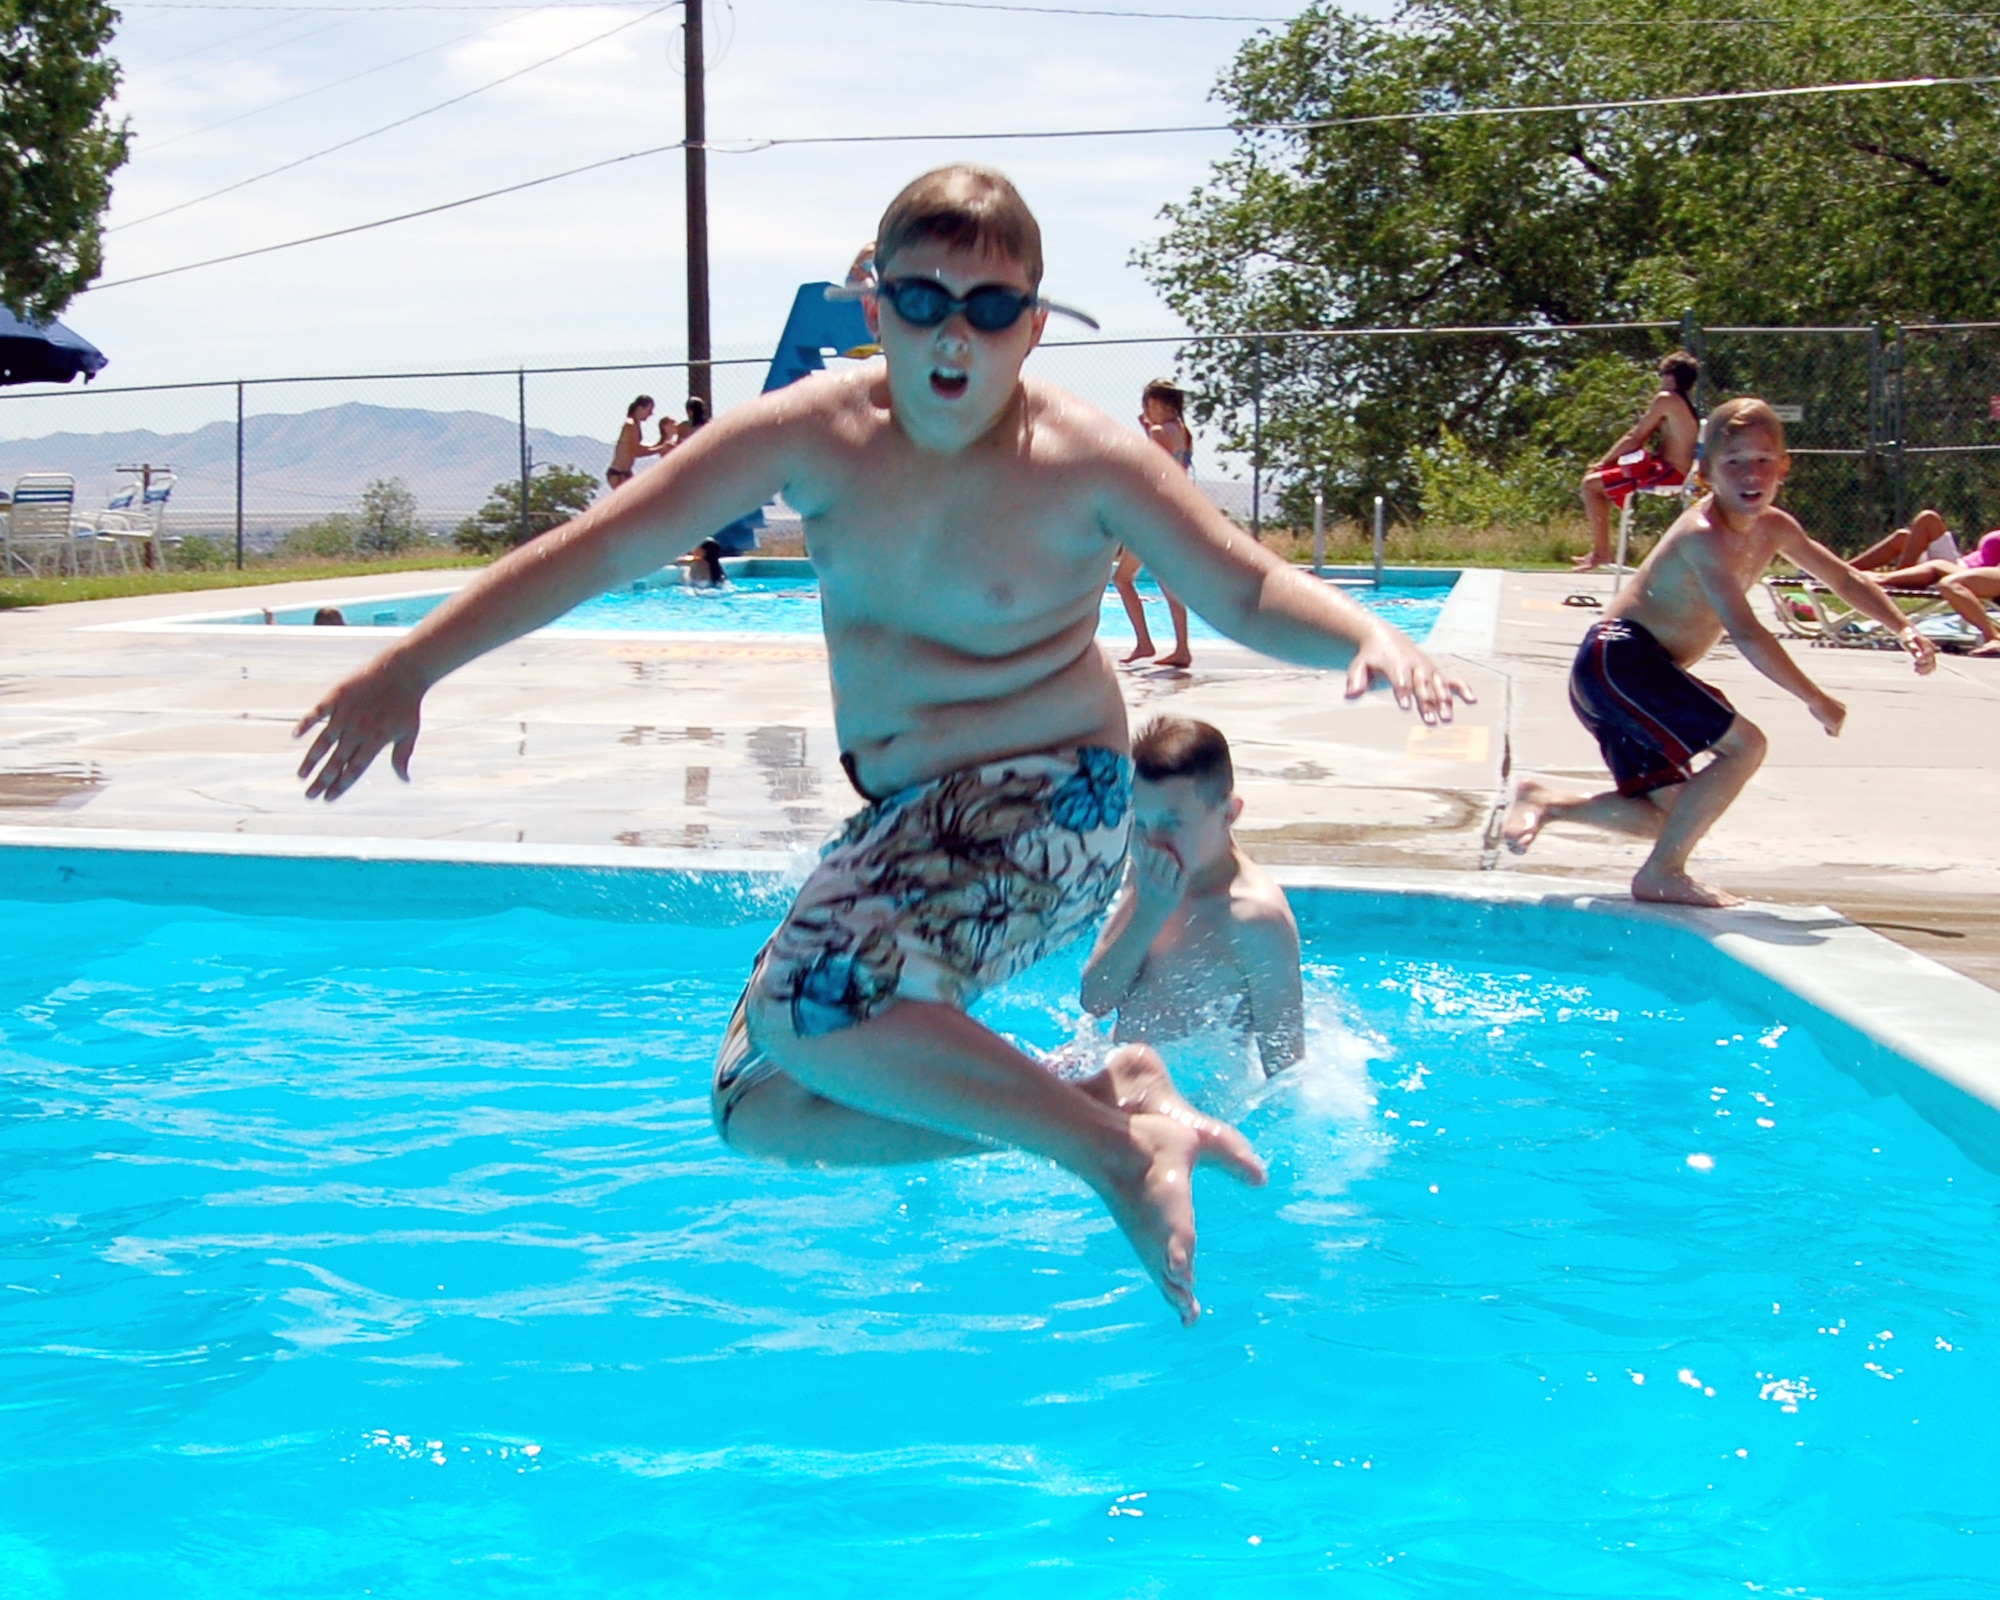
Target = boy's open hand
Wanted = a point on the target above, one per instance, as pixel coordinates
(1158, 880)
(1413, 678)
(377, 707)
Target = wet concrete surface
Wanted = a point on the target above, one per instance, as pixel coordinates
(729, 744)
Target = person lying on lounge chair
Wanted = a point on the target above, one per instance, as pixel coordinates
(1967, 584)
(1925, 539)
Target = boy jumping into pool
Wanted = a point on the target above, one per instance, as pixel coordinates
(1200, 934)
(1630, 684)
(962, 521)
(1629, 465)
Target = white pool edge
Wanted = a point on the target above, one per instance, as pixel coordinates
(1939, 1020)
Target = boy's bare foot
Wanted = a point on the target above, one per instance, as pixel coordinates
(1678, 889)
(1591, 562)
(1180, 658)
(1990, 648)
(1153, 1201)
(1525, 816)
(1141, 651)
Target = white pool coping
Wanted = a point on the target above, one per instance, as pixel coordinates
(1939, 1020)
(1465, 626)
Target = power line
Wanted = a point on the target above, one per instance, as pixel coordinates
(400, 122)
(307, 94)
(1309, 125)
(405, 216)
(1079, 11)
(395, 5)
(1317, 124)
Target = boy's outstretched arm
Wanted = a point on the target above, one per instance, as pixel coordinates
(1151, 891)
(1760, 647)
(1267, 946)
(1241, 588)
(1859, 591)
(730, 469)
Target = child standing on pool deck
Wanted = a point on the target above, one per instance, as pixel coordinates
(1163, 416)
(1200, 934)
(1630, 684)
(961, 521)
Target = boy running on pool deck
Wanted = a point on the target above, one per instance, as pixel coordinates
(1630, 683)
(961, 521)
(1628, 466)
(1200, 933)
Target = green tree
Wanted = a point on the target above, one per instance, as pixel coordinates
(386, 523)
(555, 494)
(1836, 209)
(58, 149)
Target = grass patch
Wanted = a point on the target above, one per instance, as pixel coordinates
(16, 592)
(1433, 544)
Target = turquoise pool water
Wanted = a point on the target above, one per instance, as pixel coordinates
(396, 1257)
(787, 605)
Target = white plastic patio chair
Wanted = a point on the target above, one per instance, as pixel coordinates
(40, 523)
(134, 519)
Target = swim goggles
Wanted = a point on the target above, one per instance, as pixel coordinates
(924, 303)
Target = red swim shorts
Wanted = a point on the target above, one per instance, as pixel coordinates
(1624, 479)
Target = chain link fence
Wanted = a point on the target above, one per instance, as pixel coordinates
(1880, 423)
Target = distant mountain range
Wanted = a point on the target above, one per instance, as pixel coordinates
(301, 465)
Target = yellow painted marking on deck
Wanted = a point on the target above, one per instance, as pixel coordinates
(1459, 742)
(723, 652)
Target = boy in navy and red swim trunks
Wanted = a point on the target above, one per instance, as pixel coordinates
(1630, 466)
(1630, 684)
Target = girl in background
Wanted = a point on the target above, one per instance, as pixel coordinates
(1162, 409)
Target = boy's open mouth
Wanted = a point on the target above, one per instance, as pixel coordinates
(948, 383)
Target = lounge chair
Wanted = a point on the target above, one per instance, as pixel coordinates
(134, 520)
(1809, 610)
(40, 524)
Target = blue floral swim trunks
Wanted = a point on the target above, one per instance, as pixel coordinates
(940, 892)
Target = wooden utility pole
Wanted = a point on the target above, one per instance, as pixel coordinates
(699, 384)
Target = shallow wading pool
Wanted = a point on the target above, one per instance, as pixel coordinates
(365, 1233)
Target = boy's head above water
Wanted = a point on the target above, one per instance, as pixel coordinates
(1184, 798)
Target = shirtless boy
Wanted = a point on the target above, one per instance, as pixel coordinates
(1200, 934)
(961, 520)
(1630, 684)
(1629, 466)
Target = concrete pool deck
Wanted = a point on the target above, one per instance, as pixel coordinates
(728, 744)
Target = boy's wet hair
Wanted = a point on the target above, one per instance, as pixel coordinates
(963, 207)
(1681, 370)
(633, 409)
(1741, 415)
(1168, 392)
(1179, 747)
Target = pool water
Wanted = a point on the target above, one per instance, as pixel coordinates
(398, 1258)
(790, 605)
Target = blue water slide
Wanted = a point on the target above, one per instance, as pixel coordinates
(818, 327)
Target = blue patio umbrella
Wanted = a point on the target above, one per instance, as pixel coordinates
(44, 352)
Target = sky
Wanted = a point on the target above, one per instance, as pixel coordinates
(593, 268)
